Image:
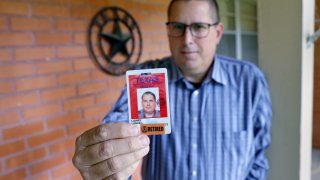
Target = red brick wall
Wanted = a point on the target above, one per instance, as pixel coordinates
(316, 100)
(50, 90)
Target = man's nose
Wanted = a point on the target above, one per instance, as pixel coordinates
(188, 37)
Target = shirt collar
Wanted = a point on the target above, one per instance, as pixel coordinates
(219, 74)
(175, 74)
(216, 72)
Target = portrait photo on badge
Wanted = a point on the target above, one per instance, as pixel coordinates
(148, 102)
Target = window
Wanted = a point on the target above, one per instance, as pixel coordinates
(240, 39)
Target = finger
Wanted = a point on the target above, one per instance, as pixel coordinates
(107, 149)
(118, 163)
(105, 132)
(125, 174)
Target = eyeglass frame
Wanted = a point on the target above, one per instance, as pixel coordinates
(208, 25)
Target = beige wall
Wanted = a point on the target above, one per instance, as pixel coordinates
(283, 29)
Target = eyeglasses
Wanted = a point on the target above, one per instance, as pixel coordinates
(198, 30)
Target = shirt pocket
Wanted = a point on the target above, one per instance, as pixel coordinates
(234, 142)
(235, 146)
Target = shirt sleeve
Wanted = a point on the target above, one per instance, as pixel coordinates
(119, 112)
(262, 117)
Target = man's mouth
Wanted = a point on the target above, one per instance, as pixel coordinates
(187, 52)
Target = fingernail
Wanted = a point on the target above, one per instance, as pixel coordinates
(134, 130)
(144, 140)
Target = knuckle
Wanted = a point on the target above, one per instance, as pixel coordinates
(123, 131)
(146, 150)
(131, 144)
(101, 132)
(106, 149)
(141, 153)
(76, 161)
(113, 164)
(78, 141)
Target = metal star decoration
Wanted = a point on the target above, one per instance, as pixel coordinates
(118, 50)
(117, 40)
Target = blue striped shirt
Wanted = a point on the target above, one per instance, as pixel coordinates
(220, 130)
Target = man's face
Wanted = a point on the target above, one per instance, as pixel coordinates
(194, 55)
(148, 103)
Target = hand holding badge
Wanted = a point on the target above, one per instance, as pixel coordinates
(148, 100)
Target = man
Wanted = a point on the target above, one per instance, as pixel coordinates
(148, 103)
(220, 113)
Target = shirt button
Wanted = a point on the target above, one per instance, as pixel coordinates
(194, 146)
(196, 93)
(194, 119)
(194, 173)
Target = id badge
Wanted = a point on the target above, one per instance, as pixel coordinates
(148, 100)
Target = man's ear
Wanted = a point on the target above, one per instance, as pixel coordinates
(219, 30)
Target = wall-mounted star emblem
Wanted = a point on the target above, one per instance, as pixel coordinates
(117, 40)
(114, 40)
